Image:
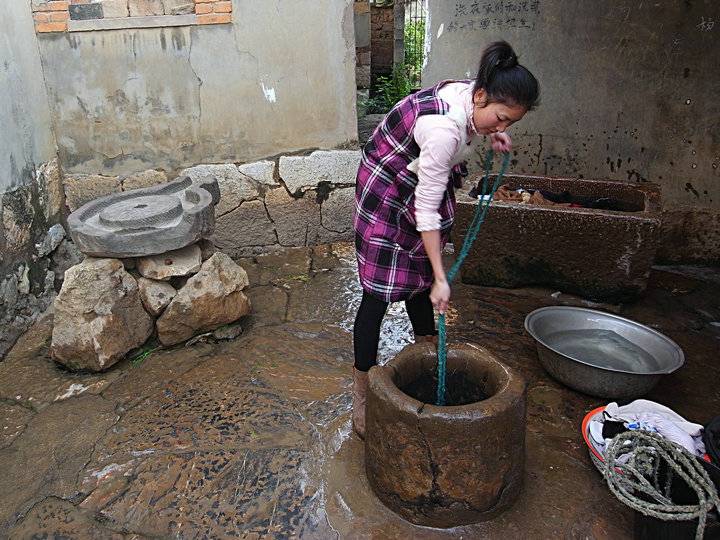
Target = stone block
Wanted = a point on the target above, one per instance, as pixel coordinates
(155, 295)
(146, 221)
(263, 172)
(178, 7)
(337, 213)
(18, 215)
(81, 12)
(177, 263)
(80, 189)
(98, 316)
(52, 196)
(336, 167)
(115, 8)
(211, 298)
(143, 179)
(145, 8)
(248, 225)
(297, 221)
(235, 188)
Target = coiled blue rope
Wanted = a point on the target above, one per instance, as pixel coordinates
(472, 233)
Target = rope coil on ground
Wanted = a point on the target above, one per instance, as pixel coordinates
(472, 233)
(632, 463)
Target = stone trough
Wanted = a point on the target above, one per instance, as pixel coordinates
(599, 254)
(452, 465)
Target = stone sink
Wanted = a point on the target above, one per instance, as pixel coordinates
(599, 254)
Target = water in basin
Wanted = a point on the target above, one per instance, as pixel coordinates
(603, 348)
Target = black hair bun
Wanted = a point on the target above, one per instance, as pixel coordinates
(508, 61)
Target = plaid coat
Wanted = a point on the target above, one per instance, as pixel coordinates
(392, 262)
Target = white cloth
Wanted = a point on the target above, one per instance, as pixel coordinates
(652, 416)
(444, 141)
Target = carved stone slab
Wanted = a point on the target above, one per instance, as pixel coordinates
(146, 221)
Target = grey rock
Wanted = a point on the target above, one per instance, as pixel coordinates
(211, 298)
(301, 173)
(296, 220)
(263, 172)
(146, 221)
(10, 292)
(155, 295)
(98, 316)
(80, 189)
(207, 248)
(145, 8)
(52, 195)
(337, 210)
(144, 179)
(180, 262)
(64, 257)
(246, 226)
(115, 9)
(52, 240)
(228, 332)
(178, 7)
(235, 188)
(23, 279)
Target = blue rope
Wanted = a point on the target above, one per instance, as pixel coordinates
(472, 233)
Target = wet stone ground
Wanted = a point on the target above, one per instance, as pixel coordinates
(251, 437)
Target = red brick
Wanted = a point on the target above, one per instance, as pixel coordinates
(222, 7)
(51, 27)
(201, 9)
(204, 1)
(41, 17)
(59, 16)
(214, 18)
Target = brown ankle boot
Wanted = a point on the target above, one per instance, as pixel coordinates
(360, 383)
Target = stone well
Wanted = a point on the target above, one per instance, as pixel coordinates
(451, 465)
(599, 254)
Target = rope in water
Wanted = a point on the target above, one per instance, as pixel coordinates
(632, 464)
(472, 233)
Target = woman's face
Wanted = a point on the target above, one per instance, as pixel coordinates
(491, 117)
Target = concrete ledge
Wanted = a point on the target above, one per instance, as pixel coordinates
(159, 21)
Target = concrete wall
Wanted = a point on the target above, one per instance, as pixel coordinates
(280, 78)
(629, 92)
(26, 139)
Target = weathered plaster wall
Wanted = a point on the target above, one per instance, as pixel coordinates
(25, 138)
(280, 78)
(629, 92)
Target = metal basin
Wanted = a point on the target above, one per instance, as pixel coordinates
(601, 354)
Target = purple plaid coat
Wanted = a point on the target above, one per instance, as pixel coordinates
(392, 262)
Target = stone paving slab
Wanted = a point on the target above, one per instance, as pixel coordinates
(251, 437)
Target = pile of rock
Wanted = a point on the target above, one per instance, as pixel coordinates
(110, 304)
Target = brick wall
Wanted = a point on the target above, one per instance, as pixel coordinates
(382, 30)
(56, 15)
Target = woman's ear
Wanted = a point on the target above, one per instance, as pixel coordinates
(480, 98)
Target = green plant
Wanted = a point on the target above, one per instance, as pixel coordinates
(392, 89)
(414, 48)
(140, 357)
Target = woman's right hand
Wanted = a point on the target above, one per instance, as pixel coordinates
(440, 295)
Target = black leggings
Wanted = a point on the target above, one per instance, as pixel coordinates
(366, 333)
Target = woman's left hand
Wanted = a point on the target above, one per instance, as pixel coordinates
(501, 142)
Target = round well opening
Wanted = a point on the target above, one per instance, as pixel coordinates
(466, 382)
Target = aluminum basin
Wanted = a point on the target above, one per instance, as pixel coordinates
(601, 354)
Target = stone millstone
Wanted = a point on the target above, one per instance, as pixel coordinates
(155, 295)
(181, 262)
(146, 221)
(209, 299)
(98, 316)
